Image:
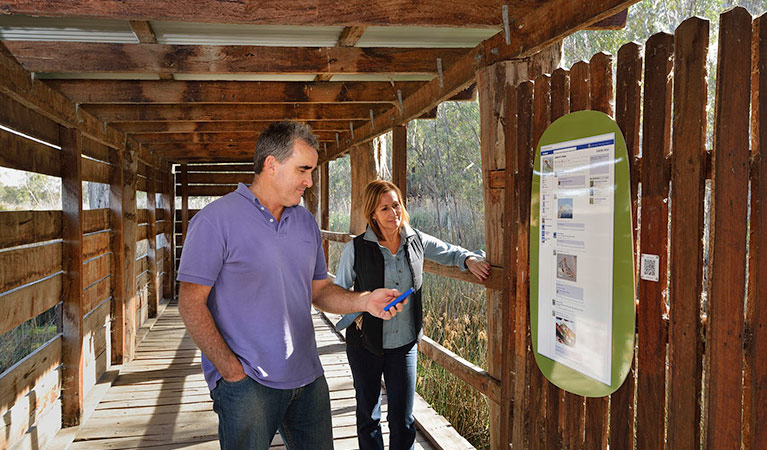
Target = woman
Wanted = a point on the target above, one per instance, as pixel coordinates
(390, 254)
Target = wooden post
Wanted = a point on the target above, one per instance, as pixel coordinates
(72, 264)
(169, 224)
(688, 190)
(755, 389)
(130, 232)
(184, 202)
(312, 198)
(651, 353)
(601, 93)
(727, 244)
(325, 207)
(627, 104)
(493, 82)
(515, 384)
(399, 160)
(116, 184)
(152, 288)
(364, 170)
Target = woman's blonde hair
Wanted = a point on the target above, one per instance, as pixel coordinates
(373, 192)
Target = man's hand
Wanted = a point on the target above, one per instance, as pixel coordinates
(376, 301)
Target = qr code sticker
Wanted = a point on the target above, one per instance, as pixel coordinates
(650, 267)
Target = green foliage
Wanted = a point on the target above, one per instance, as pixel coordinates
(27, 337)
(34, 192)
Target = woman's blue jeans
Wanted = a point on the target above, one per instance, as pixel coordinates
(398, 367)
(249, 414)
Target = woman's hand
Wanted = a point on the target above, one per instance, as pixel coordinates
(480, 268)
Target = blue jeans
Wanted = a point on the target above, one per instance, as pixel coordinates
(398, 367)
(249, 414)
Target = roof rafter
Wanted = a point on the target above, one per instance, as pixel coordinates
(222, 126)
(212, 113)
(562, 17)
(117, 91)
(97, 57)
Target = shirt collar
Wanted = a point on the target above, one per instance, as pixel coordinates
(405, 231)
(245, 191)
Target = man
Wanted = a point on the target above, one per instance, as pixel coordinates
(251, 267)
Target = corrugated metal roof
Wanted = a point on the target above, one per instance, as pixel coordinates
(186, 33)
(98, 76)
(27, 28)
(424, 37)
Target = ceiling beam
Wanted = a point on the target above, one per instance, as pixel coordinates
(339, 126)
(213, 138)
(145, 35)
(561, 18)
(349, 38)
(212, 113)
(97, 57)
(455, 13)
(118, 91)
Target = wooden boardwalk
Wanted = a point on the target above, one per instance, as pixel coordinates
(160, 400)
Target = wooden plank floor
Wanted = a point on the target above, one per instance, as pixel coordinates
(160, 400)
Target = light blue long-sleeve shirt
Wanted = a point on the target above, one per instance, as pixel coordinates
(400, 330)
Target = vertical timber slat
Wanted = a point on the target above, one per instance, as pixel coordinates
(170, 223)
(755, 395)
(492, 83)
(628, 93)
(72, 264)
(544, 395)
(364, 170)
(560, 105)
(184, 202)
(651, 362)
(575, 422)
(151, 197)
(688, 181)
(325, 198)
(727, 246)
(399, 160)
(601, 94)
(130, 233)
(118, 255)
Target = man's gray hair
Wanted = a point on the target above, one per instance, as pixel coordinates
(278, 141)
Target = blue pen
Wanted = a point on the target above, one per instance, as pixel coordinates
(398, 299)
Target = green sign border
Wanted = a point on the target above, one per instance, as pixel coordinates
(573, 126)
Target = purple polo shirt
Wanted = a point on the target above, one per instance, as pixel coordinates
(261, 271)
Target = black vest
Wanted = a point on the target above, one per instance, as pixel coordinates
(369, 271)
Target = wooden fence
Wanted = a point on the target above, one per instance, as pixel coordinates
(700, 371)
(73, 257)
(701, 356)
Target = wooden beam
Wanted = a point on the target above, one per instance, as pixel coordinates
(349, 38)
(18, 84)
(615, 22)
(123, 91)
(471, 374)
(212, 113)
(213, 138)
(97, 57)
(130, 232)
(72, 287)
(399, 160)
(563, 18)
(143, 31)
(462, 13)
(223, 126)
(153, 293)
(324, 204)
(184, 181)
